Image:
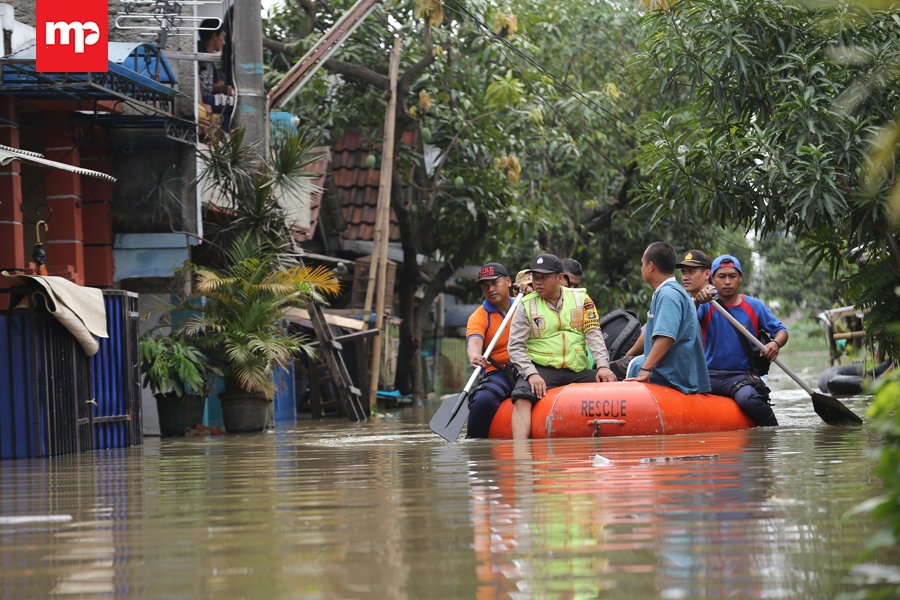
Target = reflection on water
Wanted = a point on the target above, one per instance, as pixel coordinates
(387, 510)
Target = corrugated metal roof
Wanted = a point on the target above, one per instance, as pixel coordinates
(20, 78)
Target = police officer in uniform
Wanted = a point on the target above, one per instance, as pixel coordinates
(695, 274)
(549, 338)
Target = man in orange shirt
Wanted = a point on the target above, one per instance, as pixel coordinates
(480, 330)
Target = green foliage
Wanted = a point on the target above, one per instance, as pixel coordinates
(567, 117)
(790, 280)
(567, 109)
(579, 148)
(505, 91)
(769, 110)
(250, 193)
(885, 509)
(875, 287)
(253, 275)
(243, 305)
(173, 364)
(469, 132)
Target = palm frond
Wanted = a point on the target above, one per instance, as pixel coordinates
(254, 279)
(322, 278)
(229, 166)
(288, 161)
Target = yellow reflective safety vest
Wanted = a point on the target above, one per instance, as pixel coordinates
(557, 339)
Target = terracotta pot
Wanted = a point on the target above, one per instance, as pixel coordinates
(243, 412)
(176, 414)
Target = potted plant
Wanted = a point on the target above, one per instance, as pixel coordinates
(179, 375)
(241, 330)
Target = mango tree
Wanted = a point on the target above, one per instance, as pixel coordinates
(529, 111)
(774, 108)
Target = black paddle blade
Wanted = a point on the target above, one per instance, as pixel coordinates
(445, 423)
(833, 411)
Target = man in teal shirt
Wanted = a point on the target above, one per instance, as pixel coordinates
(673, 347)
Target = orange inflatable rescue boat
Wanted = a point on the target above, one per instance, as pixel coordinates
(623, 408)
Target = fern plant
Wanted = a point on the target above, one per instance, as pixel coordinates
(240, 328)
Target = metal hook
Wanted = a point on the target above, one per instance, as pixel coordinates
(43, 211)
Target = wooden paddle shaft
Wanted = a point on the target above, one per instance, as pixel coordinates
(762, 347)
(490, 348)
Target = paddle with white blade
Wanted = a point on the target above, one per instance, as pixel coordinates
(448, 421)
(831, 410)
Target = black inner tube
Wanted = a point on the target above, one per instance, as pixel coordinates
(847, 379)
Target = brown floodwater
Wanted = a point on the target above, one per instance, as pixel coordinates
(388, 510)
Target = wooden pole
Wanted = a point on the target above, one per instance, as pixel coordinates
(383, 217)
(373, 259)
(381, 213)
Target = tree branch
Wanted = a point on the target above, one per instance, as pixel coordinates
(277, 47)
(414, 71)
(459, 258)
(308, 6)
(357, 72)
(601, 219)
(423, 63)
(309, 19)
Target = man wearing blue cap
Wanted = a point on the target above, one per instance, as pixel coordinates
(728, 357)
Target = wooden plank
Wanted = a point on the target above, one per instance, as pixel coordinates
(351, 337)
(849, 335)
(301, 314)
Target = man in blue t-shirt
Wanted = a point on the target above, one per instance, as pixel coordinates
(730, 371)
(673, 348)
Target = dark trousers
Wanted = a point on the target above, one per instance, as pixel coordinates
(484, 402)
(219, 109)
(620, 367)
(553, 378)
(750, 398)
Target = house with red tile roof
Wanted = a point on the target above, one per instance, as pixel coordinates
(344, 213)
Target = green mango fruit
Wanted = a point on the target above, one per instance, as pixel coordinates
(370, 161)
(426, 135)
(459, 181)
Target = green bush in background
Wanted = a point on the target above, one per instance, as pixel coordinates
(885, 509)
